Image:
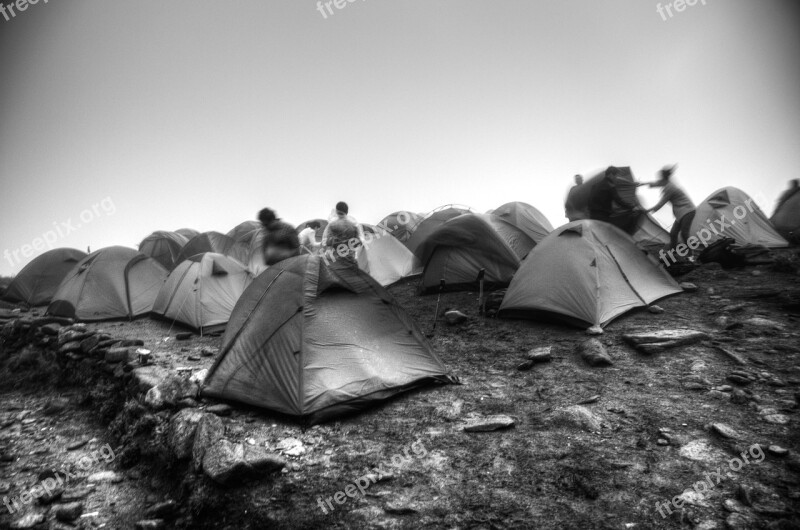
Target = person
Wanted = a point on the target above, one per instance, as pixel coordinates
(342, 229)
(682, 206)
(794, 187)
(280, 238)
(572, 209)
(308, 238)
(605, 196)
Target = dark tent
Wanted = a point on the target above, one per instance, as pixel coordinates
(316, 341)
(164, 247)
(217, 243)
(37, 282)
(786, 218)
(433, 221)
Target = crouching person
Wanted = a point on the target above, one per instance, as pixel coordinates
(280, 239)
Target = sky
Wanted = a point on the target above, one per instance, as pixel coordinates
(121, 118)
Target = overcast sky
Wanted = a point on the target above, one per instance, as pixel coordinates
(194, 113)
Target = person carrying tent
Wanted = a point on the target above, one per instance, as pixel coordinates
(308, 238)
(280, 240)
(682, 206)
(794, 187)
(605, 196)
(342, 229)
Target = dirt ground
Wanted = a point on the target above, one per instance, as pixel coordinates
(641, 438)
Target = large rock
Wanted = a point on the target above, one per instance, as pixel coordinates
(170, 391)
(181, 432)
(230, 464)
(594, 353)
(210, 430)
(657, 341)
(146, 377)
(576, 416)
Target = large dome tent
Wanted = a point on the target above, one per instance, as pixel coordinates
(38, 281)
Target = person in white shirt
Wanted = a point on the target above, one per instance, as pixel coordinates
(308, 238)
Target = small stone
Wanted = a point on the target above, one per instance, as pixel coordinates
(733, 506)
(220, 409)
(594, 330)
(205, 352)
(594, 353)
(150, 524)
(662, 441)
(777, 419)
(777, 450)
(756, 273)
(117, 354)
(69, 512)
(30, 520)
(183, 336)
(105, 476)
(540, 355)
(655, 309)
(738, 379)
(691, 385)
(291, 447)
(453, 317)
(77, 444)
(688, 287)
(490, 423)
(724, 431)
(527, 365)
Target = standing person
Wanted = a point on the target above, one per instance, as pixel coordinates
(342, 229)
(682, 206)
(280, 239)
(572, 210)
(308, 238)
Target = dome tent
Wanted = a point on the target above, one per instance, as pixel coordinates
(38, 281)
(113, 282)
(730, 212)
(585, 273)
(316, 341)
(386, 259)
(460, 247)
(401, 224)
(431, 222)
(244, 231)
(526, 218)
(164, 247)
(202, 291)
(214, 242)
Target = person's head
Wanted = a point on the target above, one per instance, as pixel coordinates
(578, 179)
(313, 224)
(794, 183)
(267, 217)
(341, 208)
(666, 173)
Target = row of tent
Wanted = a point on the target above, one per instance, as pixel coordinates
(196, 281)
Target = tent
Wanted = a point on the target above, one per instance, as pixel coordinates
(585, 273)
(525, 217)
(316, 341)
(164, 247)
(431, 222)
(113, 282)
(214, 242)
(188, 233)
(244, 231)
(730, 212)
(202, 291)
(786, 218)
(401, 224)
(458, 249)
(610, 196)
(37, 282)
(386, 259)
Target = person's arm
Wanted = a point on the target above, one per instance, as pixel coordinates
(665, 197)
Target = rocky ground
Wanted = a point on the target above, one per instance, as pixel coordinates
(550, 428)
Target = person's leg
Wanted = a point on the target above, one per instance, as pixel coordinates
(686, 225)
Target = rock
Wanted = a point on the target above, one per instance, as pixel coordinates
(777, 419)
(777, 450)
(592, 399)
(454, 317)
(199, 377)
(55, 406)
(527, 365)
(733, 506)
(205, 352)
(181, 432)
(169, 391)
(230, 464)
(146, 377)
(150, 524)
(50, 329)
(30, 520)
(490, 423)
(739, 396)
(105, 476)
(220, 409)
(738, 379)
(186, 403)
(66, 335)
(193, 358)
(70, 346)
(724, 431)
(163, 510)
(77, 444)
(594, 353)
(76, 494)
(119, 354)
(657, 341)
(688, 287)
(738, 521)
(721, 322)
(656, 310)
(576, 416)
(763, 323)
(291, 447)
(540, 355)
(90, 343)
(131, 342)
(183, 336)
(69, 512)
(210, 430)
(594, 330)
